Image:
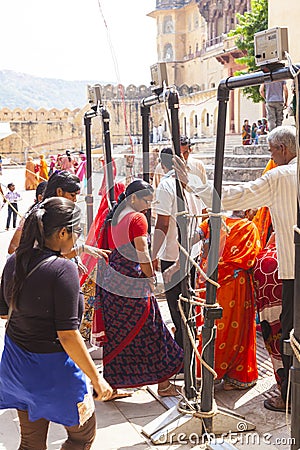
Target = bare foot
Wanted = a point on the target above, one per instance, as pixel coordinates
(118, 394)
(171, 391)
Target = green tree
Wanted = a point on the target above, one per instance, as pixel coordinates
(248, 24)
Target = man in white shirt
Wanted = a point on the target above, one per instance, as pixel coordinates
(165, 245)
(276, 189)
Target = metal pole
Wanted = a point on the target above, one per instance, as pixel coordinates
(89, 196)
(108, 159)
(295, 369)
(211, 314)
(145, 113)
(182, 227)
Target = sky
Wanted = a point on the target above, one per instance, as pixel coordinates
(73, 39)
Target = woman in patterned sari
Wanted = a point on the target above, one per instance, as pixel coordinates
(139, 349)
(268, 287)
(235, 345)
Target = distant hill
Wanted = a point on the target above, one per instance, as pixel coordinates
(20, 90)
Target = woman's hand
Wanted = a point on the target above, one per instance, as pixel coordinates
(152, 282)
(102, 390)
(96, 252)
(82, 269)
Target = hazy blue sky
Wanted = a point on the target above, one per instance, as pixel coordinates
(68, 39)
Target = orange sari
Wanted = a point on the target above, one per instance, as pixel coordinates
(235, 345)
(43, 173)
(262, 218)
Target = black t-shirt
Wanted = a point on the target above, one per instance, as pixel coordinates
(50, 301)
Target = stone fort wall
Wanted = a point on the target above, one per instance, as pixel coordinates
(53, 131)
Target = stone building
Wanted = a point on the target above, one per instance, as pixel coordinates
(192, 40)
(280, 16)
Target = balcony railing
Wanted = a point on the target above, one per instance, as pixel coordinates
(215, 42)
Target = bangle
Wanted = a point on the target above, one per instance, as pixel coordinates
(82, 248)
(76, 248)
(154, 279)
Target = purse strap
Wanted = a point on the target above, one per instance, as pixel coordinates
(50, 258)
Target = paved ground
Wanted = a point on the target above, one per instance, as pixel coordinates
(120, 422)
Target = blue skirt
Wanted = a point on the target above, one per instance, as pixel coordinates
(47, 385)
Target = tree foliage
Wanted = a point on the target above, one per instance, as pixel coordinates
(248, 24)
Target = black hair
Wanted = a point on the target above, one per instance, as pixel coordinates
(63, 179)
(68, 153)
(40, 189)
(138, 187)
(166, 157)
(52, 215)
(10, 185)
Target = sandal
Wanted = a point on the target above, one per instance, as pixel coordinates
(117, 394)
(276, 404)
(171, 391)
(227, 386)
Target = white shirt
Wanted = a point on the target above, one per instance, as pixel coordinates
(276, 189)
(196, 167)
(166, 205)
(12, 196)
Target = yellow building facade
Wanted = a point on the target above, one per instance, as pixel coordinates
(192, 38)
(287, 15)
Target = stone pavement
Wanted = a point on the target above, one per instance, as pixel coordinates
(119, 423)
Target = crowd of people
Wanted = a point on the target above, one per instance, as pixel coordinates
(252, 133)
(56, 295)
(42, 170)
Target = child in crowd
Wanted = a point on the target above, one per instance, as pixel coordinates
(254, 135)
(12, 198)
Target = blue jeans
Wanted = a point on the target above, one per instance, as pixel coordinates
(13, 213)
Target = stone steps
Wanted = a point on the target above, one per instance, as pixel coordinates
(236, 174)
(241, 162)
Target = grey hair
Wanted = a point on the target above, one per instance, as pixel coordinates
(284, 135)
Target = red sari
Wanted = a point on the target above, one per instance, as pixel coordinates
(235, 345)
(91, 321)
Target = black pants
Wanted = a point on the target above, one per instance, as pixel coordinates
(173, 289)
(287, 323)
(12, 212)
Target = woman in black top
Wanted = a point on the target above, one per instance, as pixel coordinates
(40, 294)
